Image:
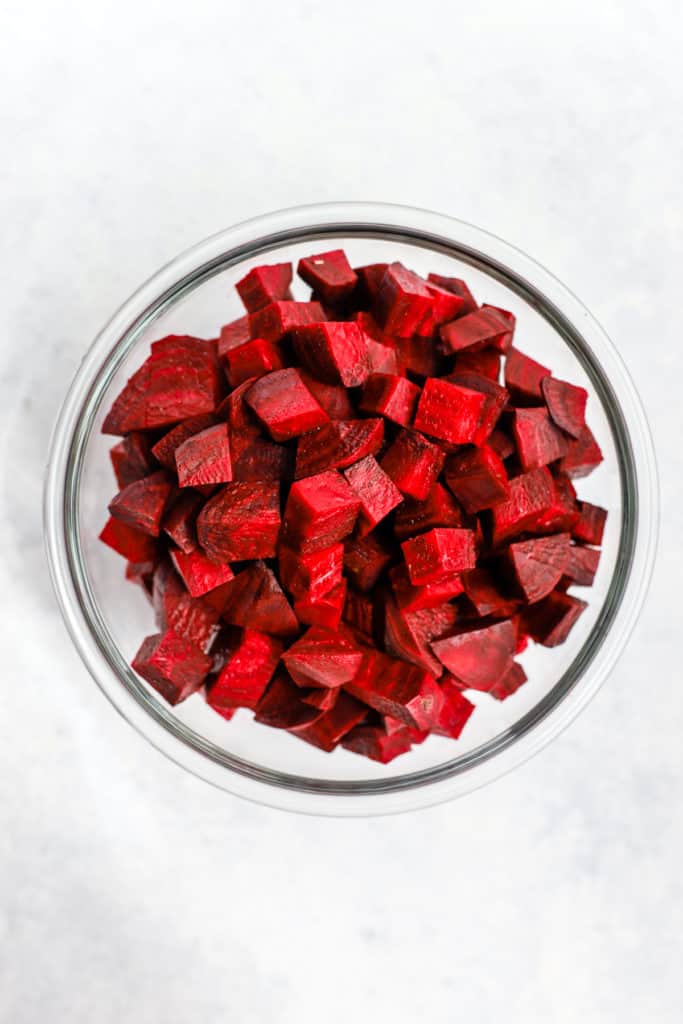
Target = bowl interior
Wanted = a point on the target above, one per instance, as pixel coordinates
(120, 615)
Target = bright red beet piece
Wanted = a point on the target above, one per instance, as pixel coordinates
(254, 599)
(413, 463)
(538, 440)
(250, 662)
(479, 329)
(241, 521)
(131, 459)
(551, 620)
(414, 599)
(311, 575)
(504, 341)
(164, 450)
(322, 657)
(562, 513)
(438, 553)
(403, 301)
(591, 524)
(477, 478)
(502, 443)
(329, 274)
(373, 742)
(171, 664)
(382, 351)
(407, 635)
(180, 378)
(253, 359)
(480, 657)
(282, 707)
(205, 458)
(328, 730)
(485, 362)
(131, 544)
(446, 305)
(277, 320)
(334, 398)
(582, 565)
(322, 611)
(398, 689)
(365, 559)
(284, 405)
(377, 492)
(321, 510)
(180, 519)
(539, 564)
(264, 285)
(450, 412)
(232, 336)
(531, 496)
(454, 713)
(523, 377)
(194, 619)
(484, 596)
(510, 683)
(141, 504)
(198, 573)
(324, 699)
(335, 352)
(566, 404)
(458, 287)
(582, 457)
(338, 444)
(391, 396)
(439, 509)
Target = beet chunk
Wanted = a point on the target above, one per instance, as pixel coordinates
(327, 730)
(194, 619)
(510, 683)
(377, 492)
(250, 661)
(253, 359)
(484, 327)
(538, 565)
(484, 362)
(551, 620)
(131, 459)
(484, 596)
(450, 412)
(438, 554)
(413, 599)
(255, 599)
(179, 520)
(407, 634)
(205, 458)
(198, 573)
(566, 404)
(399, 689)
(480, 657)
(413, 463)
(141, 504)
(282, 706)
(373, 742)
(132, 544)
(232, 336)
(590, 526)
(583, 455)
(164, 450)
(311, 575)
(334, 352)
(403, 301)
(241, 521)
(334, 398)
(391, 396)
(455, 711)
(439, 509)
(365, 559)
(538, 440)
(531, 497)
(457, 287)
(582, 565)
(330, 275)
(278, 319)
(325, 610)
(321, 510)
(337, 445)
(524, 376)
(284, 405)
(264, 285)
(322, 657)
(477, 478)
(174, 666)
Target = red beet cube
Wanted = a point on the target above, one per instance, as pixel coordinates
(232, 336)
(369, 281)
(407, 635)
(539, 564)
(446, 306)
(133, 545)
(284, 405)
(398, 689)
(566, 404)
(382, 352)
(338, 444)
(323, 698)
(418, 358)
(458, 287)
(334, 352)
(439, 509)
(330, 275)
(591, 524)
(582, 456)
(504, 341)
(477, 478)
(321, 510)
(164, 450)
(264, 285)
(502, 443)
(413, 463)
(311, 575)
(180, 378)
(141, 504)
(551, 620)
(205, 458)
(281, 706)
(480, 657)
(241, 521)
(414, 599)
(179, 521)
(437, 554)
(455, 711)
(531, 496)
(195, 619)
(174, 666)
(328, 730)
(510, 683)
(249, 665)
(243, 424)
(322, 611)
(334, 398)
(373, 742)
(322, 657)
(391, 396)
(365, 559)
(198, 573)
(403, 301)
(377, 492)
(538, 440)
(261, 461)
(563, 512)
(582, 565)
(484, 362)
(253, 359)
(523, 377)
(450, 412)
(131, 459)
(485, 327)
(254, 599)
(278, 319)
(484, 596)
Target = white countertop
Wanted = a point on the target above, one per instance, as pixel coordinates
(128, 889)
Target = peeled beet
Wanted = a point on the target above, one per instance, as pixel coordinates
(323, 657)
(141, 504)
(413, 463)
(204, 458)
(338, 444)
(478, 658)
(240, 521)
(566, 404)
(255, 600)
(334, 352)
(329, 274)
(174, 666)
(263, 285)
(378, 494)
(249, 662)
(284, 405)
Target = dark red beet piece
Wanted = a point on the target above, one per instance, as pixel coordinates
(281, 706)
(133, 545)
(324, 699)
(205, 458)
(504, 341)
(523, 377)
(241, 521)
(391, 396)
(365, 559)
(591, 524)
(582, 457)
(377, 492)
(322, 611)
(321, 510)
(253, 359)
(323, 657)
(455, 711)
(255, 600)
(510, 683)
(403, 301)
(198, 573)
(369, 281)
(195, 619)
(328, 730)
(180, 518)
(232, 336)
(478, 658)
(418, 358)
(261, 461)
(311, 575)
(278, 319)
(141, 504)
(359, 613)
(531, 496)
(334, 398)
(582, 565)
(539, 564)
(458, 287)
(439, 509)
(484, 596)
(413, 599)
(485, 327)
(413, 463)
(251, 659)
(336, 352)
(174, 666)
(563, 512)
(477, 478)
(329, 274)
(538, 440)
(264, 285)
(338, 444)
(243, 424)
(502, 443)
(407, 634)
(437, 554)
(399, 689)
(131, 459)
(484, 362)
(164, 450)
(373, 742)
(566, 404)
(496, 400)
(450, 412)
(446, 305)
(551, 620)
(284, 405)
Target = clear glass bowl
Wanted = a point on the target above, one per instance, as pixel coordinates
(107, 617)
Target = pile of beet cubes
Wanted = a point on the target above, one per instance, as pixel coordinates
(342, 517)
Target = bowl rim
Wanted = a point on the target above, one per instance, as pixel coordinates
(638, 475)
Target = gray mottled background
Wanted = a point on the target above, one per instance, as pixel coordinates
(131, 891)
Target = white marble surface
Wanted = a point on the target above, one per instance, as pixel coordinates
(131, 891)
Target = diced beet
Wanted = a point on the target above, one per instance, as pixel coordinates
(284, 405)
(174, 666)
(264, 285)
(591, 524)
(438, 509)
(538, 564)
(253, 359)
(582, 565)
(502, 443)
(551, 620)
(251, 659)
(338, 444)
(365, 559)
(322, 698)
(334, 398)
(198, 573)
(373, 742)
(418, 358)
(399, 689)
(282, 707)
(369, 281)
(403, 301)
(179, 520)
(131, 544)
(583, 455)
(261, 461)
(323, 657)
(311, 575)
(446, 305)
(531, 496)
(485, 327)
(141, 504)
(336, 352)
(413, 599)
(243, 424)
(329, 274)
(484, 362)
(382, 357)
(378, 494)
(480, 657)
(484, 596)
(566, 404)
(562, 513)
(205, 458)
(254, 599)
(450, 412)
(523, 377)
(359, 612)
(194, 618)
(458, 287)
(164, 450)
(321, 510)
(180, 378)
(275, 321)
(326, 732)
(241, 521)
(510, 683)
(477, 478)
(322, 611)
(232, 336)
(131, 459)
(454, 713)
(504, 341)
(538, 440)
(413, 463)
(438, 553)
(391, 396)
(407, 635)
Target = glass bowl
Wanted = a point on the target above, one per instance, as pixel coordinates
(107, 617)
